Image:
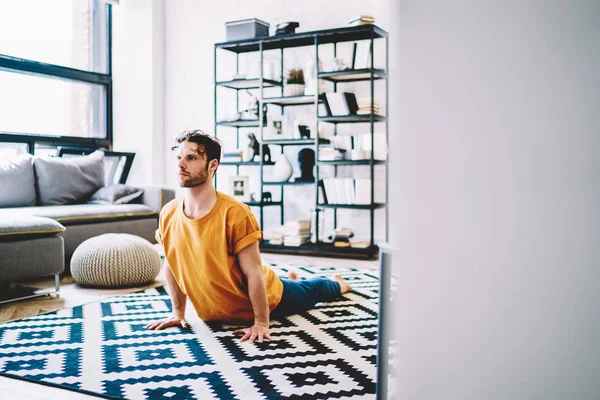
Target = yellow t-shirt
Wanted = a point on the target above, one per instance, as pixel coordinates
(202, 256)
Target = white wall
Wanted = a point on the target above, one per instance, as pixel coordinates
(498, 194)
(139, 87)
(192, 28)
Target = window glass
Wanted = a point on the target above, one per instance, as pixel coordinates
(51, 106)
(10, 150)
(70, 33)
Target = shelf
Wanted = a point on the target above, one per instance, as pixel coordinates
(355, 206)
(290, 142)
(263, 204)
(245, 163)
(239, 84)
(351, 162)
(290, 100)
(353, 75)
(321, 250)
(287, 183)
(345, 119)
(269, 92)
(240, 123)
(346, 34)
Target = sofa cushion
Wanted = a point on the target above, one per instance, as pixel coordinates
(18, 227)
(116, 194)
(68, 180)
(78, 214)
(17, 181)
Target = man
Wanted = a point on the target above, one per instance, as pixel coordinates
(211, 241)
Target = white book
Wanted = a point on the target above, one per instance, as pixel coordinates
(363, 53)
(334, 104)
(381, 150)
(344, 103)
(338, 103)
(340, 190)
(350, 190)
(362, 190)
(331, 199)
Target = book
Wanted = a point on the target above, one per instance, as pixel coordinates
(363, 55)
(360, 244)
(341, 244)
(362, 191)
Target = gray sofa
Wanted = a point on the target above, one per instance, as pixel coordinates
(50, 206)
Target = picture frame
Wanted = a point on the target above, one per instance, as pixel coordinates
(275, 128)
(239, 188)
(117, 164)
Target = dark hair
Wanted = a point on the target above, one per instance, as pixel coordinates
(211, 146)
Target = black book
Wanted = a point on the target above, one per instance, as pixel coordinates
(351, 102)
(323, 192)
(323, 98)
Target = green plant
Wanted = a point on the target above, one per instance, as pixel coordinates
(295, 76)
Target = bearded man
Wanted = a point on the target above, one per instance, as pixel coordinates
(211, 246)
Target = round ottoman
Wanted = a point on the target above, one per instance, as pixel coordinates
(115, 260)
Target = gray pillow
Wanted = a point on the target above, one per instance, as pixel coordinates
(116, 194)
(68, 180)
(17, 182)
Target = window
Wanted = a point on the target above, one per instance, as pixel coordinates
(49, 106)
(55, 73)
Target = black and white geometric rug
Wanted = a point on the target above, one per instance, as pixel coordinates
(104, 349)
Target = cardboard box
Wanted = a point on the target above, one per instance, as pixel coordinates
(246, 29)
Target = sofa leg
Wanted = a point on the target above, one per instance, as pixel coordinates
(46, 293)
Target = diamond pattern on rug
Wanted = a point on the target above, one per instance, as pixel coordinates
(331, 379)
(104, 349)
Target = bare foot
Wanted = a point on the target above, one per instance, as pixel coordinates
(344, 286)
(293, 275)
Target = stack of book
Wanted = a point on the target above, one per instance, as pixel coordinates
(330, 153)
(359, 244)
(362, 20)
(296, 232)
(341, 237)
(364, 106)
(277, 235)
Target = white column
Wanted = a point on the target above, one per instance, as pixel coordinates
(139, 87)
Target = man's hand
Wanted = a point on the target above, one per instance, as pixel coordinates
(254, 332)
(168, 322)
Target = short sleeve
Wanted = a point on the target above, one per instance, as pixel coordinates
(245, 231)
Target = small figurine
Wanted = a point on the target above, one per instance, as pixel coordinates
(266, 197)
(306, 160)
(254, 145)
(304, 131)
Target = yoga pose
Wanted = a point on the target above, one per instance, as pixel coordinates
(211, 242)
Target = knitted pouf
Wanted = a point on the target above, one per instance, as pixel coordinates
(115, 260)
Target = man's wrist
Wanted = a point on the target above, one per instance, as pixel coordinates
(261, 323)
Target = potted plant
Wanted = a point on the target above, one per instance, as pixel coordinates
(294, 83)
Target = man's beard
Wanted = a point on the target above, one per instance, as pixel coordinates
(193, 181)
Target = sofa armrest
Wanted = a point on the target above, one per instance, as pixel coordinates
(156, 197)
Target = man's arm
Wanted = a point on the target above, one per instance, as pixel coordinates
(251, 266)
(178, 300)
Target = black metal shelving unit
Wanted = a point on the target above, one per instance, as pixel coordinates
(370, 75)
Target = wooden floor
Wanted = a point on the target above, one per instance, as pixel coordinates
(71, 294)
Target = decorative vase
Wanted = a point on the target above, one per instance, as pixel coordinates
(282, 170)
(310, 77)
(293, 89)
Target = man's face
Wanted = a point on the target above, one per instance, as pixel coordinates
(193, 167)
